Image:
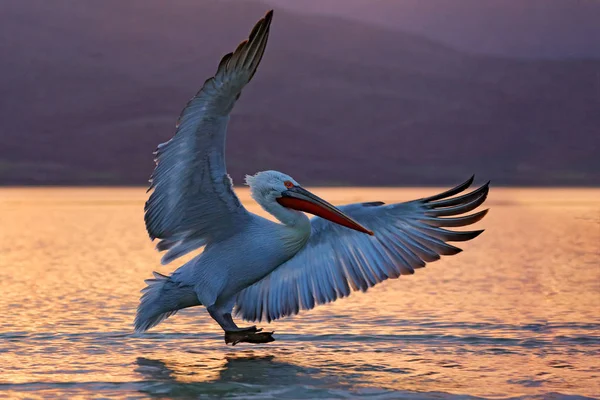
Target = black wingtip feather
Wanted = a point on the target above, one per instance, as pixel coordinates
(451, 250)
(464, 236)
(451, 192)
(226, 58)
(266, 20)
(465, 198)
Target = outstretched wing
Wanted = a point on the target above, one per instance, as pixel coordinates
(193, 201)
(337, 260)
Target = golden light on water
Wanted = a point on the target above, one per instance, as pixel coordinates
(516, 312)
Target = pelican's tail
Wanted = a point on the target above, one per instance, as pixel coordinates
(161, 299)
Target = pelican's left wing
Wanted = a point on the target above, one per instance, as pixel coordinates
(337, 260)
(193, 201)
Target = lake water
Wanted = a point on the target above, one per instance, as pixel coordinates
(517, 314)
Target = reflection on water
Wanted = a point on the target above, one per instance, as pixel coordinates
(516, 314)
(238, 375)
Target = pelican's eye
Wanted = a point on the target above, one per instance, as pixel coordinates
(288, 184)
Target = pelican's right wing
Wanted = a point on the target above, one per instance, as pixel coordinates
(337, 260)
(193, 201)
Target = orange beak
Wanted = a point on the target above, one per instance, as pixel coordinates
(301, 199)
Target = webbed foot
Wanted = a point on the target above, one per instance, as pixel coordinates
(248, 329)
(255, 336)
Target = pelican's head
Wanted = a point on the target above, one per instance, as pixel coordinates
(273, 187)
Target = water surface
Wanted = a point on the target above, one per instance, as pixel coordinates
(516, 314)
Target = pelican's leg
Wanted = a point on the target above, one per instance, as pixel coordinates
(223, 317)
(218, 315)
(235, 328)
(235, 334)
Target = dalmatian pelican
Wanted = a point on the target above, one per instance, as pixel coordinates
(258, 269)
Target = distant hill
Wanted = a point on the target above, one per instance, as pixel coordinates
(88, 89)
(515, 28)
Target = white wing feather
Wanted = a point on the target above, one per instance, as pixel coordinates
(337, 260)
(193, 201)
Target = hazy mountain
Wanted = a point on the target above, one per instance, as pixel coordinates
(88, 89)
(518, 28)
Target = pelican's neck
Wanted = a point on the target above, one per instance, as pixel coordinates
(288, 217)
(296, 223)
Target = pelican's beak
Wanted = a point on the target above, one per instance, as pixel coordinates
(301, 199)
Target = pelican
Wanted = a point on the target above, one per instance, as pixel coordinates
(258, 269)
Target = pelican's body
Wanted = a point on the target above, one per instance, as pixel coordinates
(263, 269)
(224, 268)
